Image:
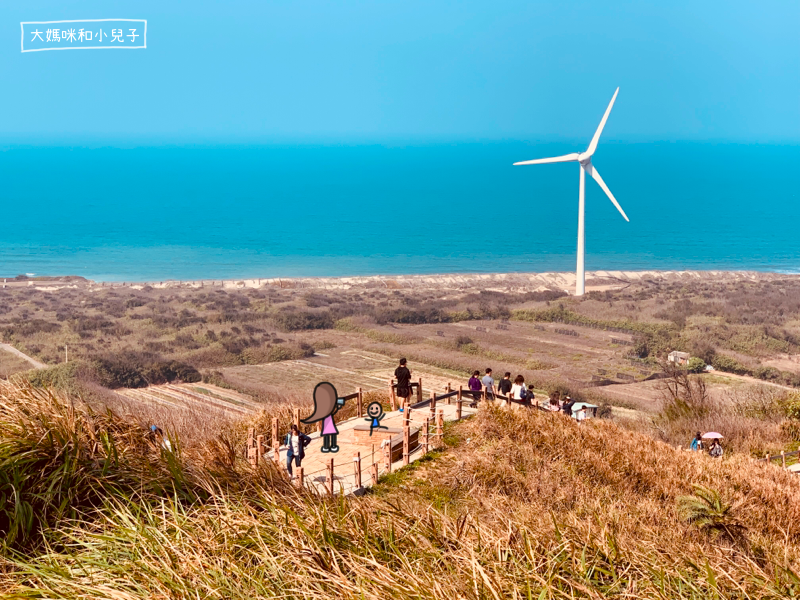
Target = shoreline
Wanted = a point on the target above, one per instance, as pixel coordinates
(500, 282)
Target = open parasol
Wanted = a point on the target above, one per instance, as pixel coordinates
(712, 435)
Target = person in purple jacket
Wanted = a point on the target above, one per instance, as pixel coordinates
(326, 404)
(475, 385)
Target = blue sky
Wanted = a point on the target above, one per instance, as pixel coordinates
(262, 71)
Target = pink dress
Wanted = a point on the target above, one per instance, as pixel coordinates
(328, 426)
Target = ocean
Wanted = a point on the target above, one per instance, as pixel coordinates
(203, 212)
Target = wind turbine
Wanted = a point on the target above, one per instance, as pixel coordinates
(585, 161)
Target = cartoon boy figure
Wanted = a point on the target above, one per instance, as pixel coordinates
(375, 414)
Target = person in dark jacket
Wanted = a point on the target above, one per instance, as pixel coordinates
(504, 386)
(567, 408)
(403, 376)
(295, 444)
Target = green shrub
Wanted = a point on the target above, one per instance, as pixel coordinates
(60, 377)
(728, 364)
(303, 320)
(604, 412)
(791, 429)
(767, 373)
(135, 370)
(412, 316)
(696, 365)
(793, 407)
(710, 513)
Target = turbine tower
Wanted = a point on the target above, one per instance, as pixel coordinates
(584, 159)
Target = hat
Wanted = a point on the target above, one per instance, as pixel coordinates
(153, 428)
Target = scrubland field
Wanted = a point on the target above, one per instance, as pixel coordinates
(516, 505)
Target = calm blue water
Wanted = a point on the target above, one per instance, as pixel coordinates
(191, 213)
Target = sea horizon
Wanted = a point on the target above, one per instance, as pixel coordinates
(307, 210)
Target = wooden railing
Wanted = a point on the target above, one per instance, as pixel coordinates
(422, 431)
(782, 457)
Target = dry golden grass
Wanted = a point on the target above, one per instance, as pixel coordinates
(521, 505)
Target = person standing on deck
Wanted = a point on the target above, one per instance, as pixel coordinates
(403, 376)
(474, 385)
(518, 389)
(295, 444)
(505, 384)
(488, 383)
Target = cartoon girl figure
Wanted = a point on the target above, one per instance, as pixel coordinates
(375, 412)
(326, 403)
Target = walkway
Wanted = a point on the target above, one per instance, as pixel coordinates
(9, 348)
(351, 442)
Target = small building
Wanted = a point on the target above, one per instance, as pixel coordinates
(679, 358)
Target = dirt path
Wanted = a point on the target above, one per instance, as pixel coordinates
(749, 379)
(9, 348)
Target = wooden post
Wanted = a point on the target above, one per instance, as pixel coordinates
(276, 455)
(459, 405)
(449, 389)
(357, 469)
(407, 417)
(275, 432)
(299, 479)
(329, 478)
(460, 392)
(387, 455)
(374, 471)
(360, 403)
(406, 443)
(392, 397)
(783, 459)
(259, 448)
(296, 417)
(424, 430)
(252, 456)
(440, 427)
(768, 458)
(419, 390)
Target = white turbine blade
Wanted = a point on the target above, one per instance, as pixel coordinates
(593, 146)
(596, 176)
(555, 159)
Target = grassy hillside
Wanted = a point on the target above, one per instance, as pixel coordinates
(517, 506)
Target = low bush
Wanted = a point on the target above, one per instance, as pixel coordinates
(136, 370)
(723, 362)
(696, 365)
(302, 320)
(29, 327)
(411, 316)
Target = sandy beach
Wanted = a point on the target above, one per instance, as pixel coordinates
(500, 282)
